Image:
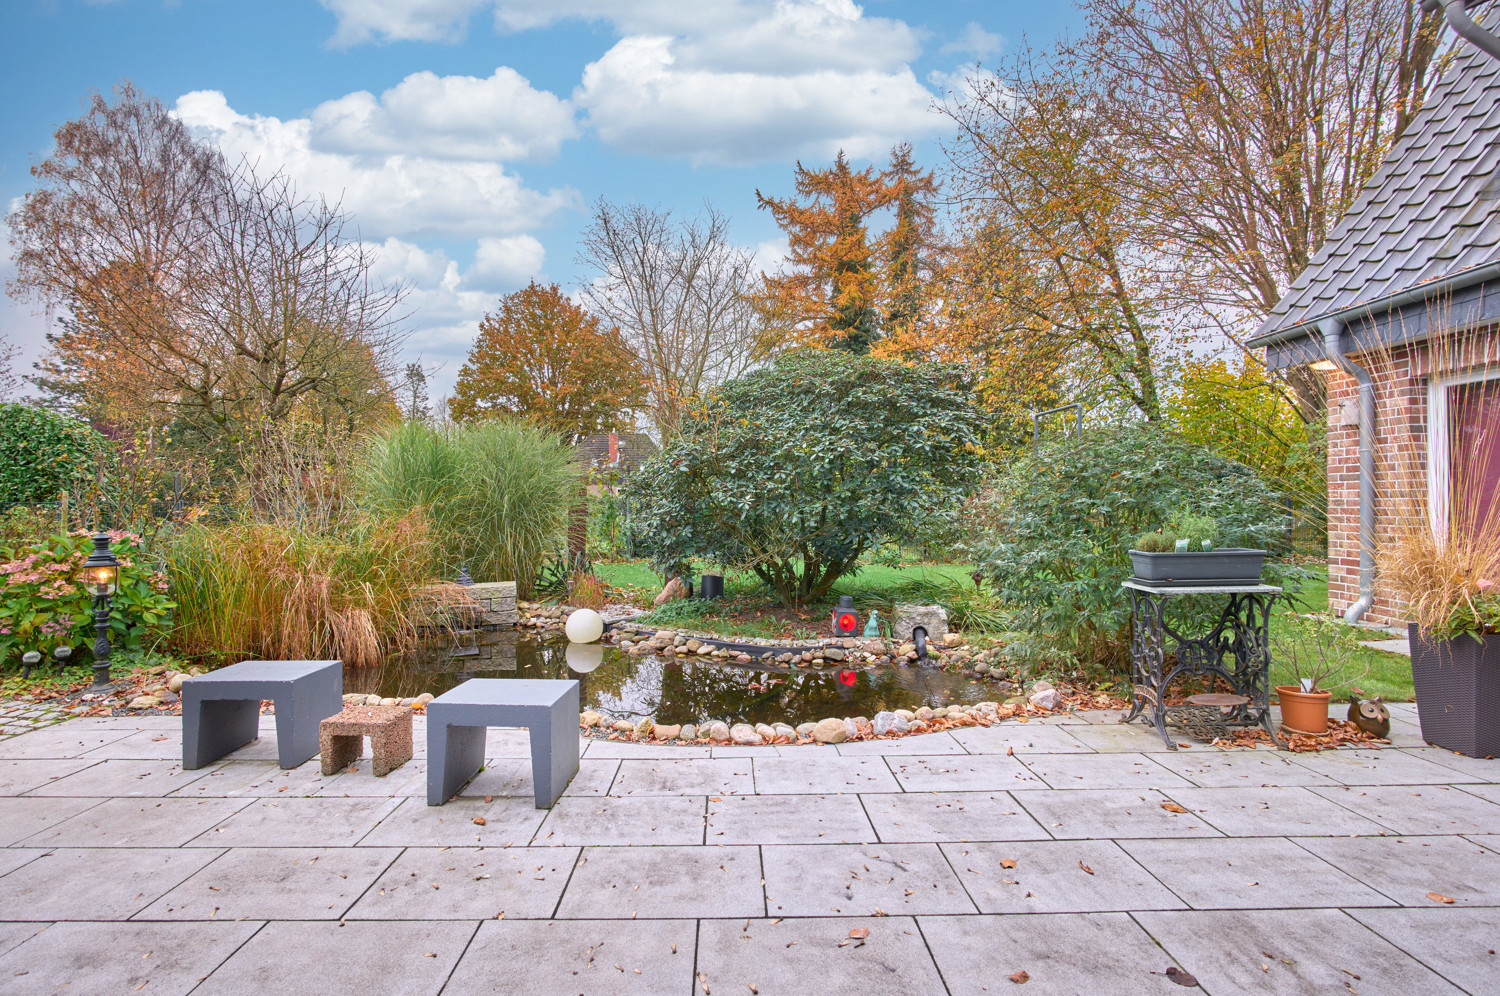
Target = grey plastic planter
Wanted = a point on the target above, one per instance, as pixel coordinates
(1458, 692)
(1196, 566)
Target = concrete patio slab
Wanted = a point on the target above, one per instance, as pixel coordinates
(12, 934)
(350, 959)
(1109, 813)
(415, 824)
(646, 820)
(620, 750)
(407, 782)
(1414, 809)
(145, 745)
(1407, 868)
(250, 779)
(1027, 738)
(123, 778)
(1112, 770)
(860, 880)
(134, 822)
(799, 956)
(788, 819)
(103, 883)
(929, 743)
(1272, 812)
(1389, 766)
(25, 817)
(1057, 876)
(468, 883)
(568, 957)
(1486, 769)
(824, 773)
(298, 822)
(1302, 951)
(664, 882)
(955, 816)
(1064, 954)
(274, 883)
(1457, 941)
(1123, 737)
(1252, 768)
(60, 741)
(962, 773)
(20, 776)
(166, 958)
(1249, 873)
(690, 776)
(12, 858)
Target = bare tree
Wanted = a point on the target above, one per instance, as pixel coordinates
(1256, 123)
(198, 293)
(677, 291)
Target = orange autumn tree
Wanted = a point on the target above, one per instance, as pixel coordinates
(838, 288)
(543, 357)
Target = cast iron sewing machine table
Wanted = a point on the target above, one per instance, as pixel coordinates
(1237, 649)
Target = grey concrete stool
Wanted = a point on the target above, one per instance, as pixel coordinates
(456, 722)
(221, 709)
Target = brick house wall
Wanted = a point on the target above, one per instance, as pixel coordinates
(1401, 376)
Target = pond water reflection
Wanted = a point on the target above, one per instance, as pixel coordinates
(668, 689)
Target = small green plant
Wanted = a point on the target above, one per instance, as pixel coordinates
(1196, 529)
(1158, 541)
(1320, 656)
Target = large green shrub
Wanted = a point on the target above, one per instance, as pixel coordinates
(1053, 530)
(43, 453)
(796, 470)
(42, 606)
(496, 493)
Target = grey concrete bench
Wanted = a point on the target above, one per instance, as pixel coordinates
(456, 722)
(221, 709)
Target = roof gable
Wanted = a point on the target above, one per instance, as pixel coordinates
(1430, 212)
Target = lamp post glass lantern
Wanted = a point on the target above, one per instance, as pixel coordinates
(100, 577)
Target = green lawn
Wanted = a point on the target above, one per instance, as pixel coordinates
(1373, 672)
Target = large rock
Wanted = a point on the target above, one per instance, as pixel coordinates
(765, 731)
(744, 733)
(589, 718)
(668, 732)
(933, 618)
(719, 732)
(805, 729)
(830, 731)
(1044, 696)
(889, 722)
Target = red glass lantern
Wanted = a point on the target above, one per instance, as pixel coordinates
(845, 619)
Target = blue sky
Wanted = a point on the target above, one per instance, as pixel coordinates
(468, 137)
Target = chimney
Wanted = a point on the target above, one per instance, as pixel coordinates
(614, 447)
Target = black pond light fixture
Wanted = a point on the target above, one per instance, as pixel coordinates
(100, 577)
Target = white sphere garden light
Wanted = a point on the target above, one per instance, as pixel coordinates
(584, 657)
(584, 626)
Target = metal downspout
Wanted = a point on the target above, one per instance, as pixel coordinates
(1459, 20)
(1333, 332)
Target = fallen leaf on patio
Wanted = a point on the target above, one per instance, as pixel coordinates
(1086, 868)
(752, 988)
(1020, 977)
(1010, 752)
(1438, 897)
(1007, 862)
(1180, 977)
(489, 798)
(429, 954)
(479, 821)
(1349, 973)
(1172, 807)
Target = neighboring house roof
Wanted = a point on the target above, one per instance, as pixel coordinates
(633, 449)
(1426, 225)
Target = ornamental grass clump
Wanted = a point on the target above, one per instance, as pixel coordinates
(280, 592)
(496, 493)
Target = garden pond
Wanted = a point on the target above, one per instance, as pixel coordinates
(668, 689)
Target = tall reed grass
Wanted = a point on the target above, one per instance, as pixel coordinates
(282, 592)
(497, 493)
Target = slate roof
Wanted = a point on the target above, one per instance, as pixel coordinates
(1430, 212)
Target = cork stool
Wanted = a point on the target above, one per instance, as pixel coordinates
(342, 738)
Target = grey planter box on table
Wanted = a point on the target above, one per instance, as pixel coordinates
(1197, 566)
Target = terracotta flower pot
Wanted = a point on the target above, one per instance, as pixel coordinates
(1303, 712)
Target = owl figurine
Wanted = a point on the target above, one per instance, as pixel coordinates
(1370, 715)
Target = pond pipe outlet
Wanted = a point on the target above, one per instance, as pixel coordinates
(1333, 347)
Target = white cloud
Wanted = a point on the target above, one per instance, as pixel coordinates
(507, 262)
(976, 40)
(639, 98)
(387, 195)
(450, 117)
(400, 20)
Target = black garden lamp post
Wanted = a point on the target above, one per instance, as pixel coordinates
(100, 577)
